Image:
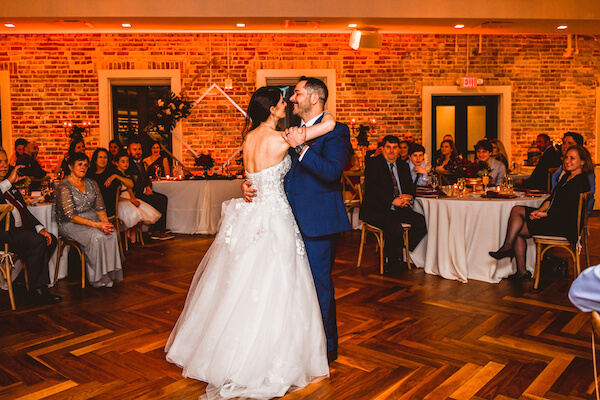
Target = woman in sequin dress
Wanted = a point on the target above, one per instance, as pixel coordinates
(81, 216)
(251, 326)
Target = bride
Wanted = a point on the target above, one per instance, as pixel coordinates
(251, 326)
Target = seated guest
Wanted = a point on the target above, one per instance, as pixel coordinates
(438, 152)
(403, 150)
(417, 165)
(572, 139)
(448, 162)
(77, 145)
(557, 216)
(114, 147)
(81, 216)
(483, 151)
(26, 236)
(389, 191)
(584, 293)
(31, 167)
(550, 159)
(157, 165)
(142, 188)
(131, 210)
(499, 152)
(19, 148)
(108, 179)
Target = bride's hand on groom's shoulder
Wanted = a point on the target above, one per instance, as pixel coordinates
(248, 191)
(294, 136)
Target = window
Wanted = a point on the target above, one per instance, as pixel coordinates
(131, 106)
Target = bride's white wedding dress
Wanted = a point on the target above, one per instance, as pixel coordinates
(251, 326)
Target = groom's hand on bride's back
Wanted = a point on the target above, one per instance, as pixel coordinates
(248, 191)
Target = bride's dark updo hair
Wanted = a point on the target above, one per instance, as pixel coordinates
(259, 107)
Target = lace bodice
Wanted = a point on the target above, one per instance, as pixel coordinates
(269, 181)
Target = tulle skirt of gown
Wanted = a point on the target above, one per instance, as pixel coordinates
(251, 326)
(131, 215)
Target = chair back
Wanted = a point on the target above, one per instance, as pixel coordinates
(354, 193)
(5, 210)
(551, 172)
(582, 214)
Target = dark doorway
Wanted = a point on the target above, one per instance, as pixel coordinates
(467, 118)
(131, 106)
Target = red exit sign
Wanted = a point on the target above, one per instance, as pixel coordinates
(468, 82)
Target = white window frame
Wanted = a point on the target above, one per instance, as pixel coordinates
(5, 103)
(109, 78)
(329, 74)
(504, 110)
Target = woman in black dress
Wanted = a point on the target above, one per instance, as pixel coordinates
(557, 216)
(108, 178)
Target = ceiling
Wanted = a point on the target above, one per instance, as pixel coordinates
(388, 16)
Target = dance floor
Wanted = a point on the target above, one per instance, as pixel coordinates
(408, 335)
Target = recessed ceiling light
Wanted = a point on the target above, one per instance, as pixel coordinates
(9, 25)
(126, 25)
(459, 26)
(240, 25)
(562, 27)
(352, 25)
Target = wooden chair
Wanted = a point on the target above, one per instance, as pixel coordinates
(7, 259)
(551, 172)
(353, 196)
(63, 242)
(556, 241)
(115, 221)
(595, 332)
(380, 240)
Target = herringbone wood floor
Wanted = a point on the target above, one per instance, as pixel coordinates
(404, 336)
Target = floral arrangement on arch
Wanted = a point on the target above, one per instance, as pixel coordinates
(205, 161)
(168, 113)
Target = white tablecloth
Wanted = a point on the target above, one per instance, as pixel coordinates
(195, 206)
(45, 215)
(461, 232)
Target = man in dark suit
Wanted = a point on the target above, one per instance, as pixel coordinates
(550, 159)
(31, 166)
(27, 237)
(142, 187)
(389, 193)
(313, 188)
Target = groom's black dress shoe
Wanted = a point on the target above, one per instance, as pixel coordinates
(43, 296)
(331, 356)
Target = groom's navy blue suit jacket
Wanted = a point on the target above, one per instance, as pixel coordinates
(313, 185)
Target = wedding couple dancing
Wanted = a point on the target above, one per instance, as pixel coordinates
(256, 322)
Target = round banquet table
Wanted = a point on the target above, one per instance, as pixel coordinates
(461, 232)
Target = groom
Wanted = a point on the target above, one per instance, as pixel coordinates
(313, 188)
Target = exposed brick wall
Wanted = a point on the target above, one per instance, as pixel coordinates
(54, 79)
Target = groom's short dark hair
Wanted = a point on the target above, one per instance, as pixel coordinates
(314, 85)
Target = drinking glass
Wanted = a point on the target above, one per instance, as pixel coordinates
(509, 183)
(435, 182)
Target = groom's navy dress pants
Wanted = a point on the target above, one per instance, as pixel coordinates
(321, 256)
